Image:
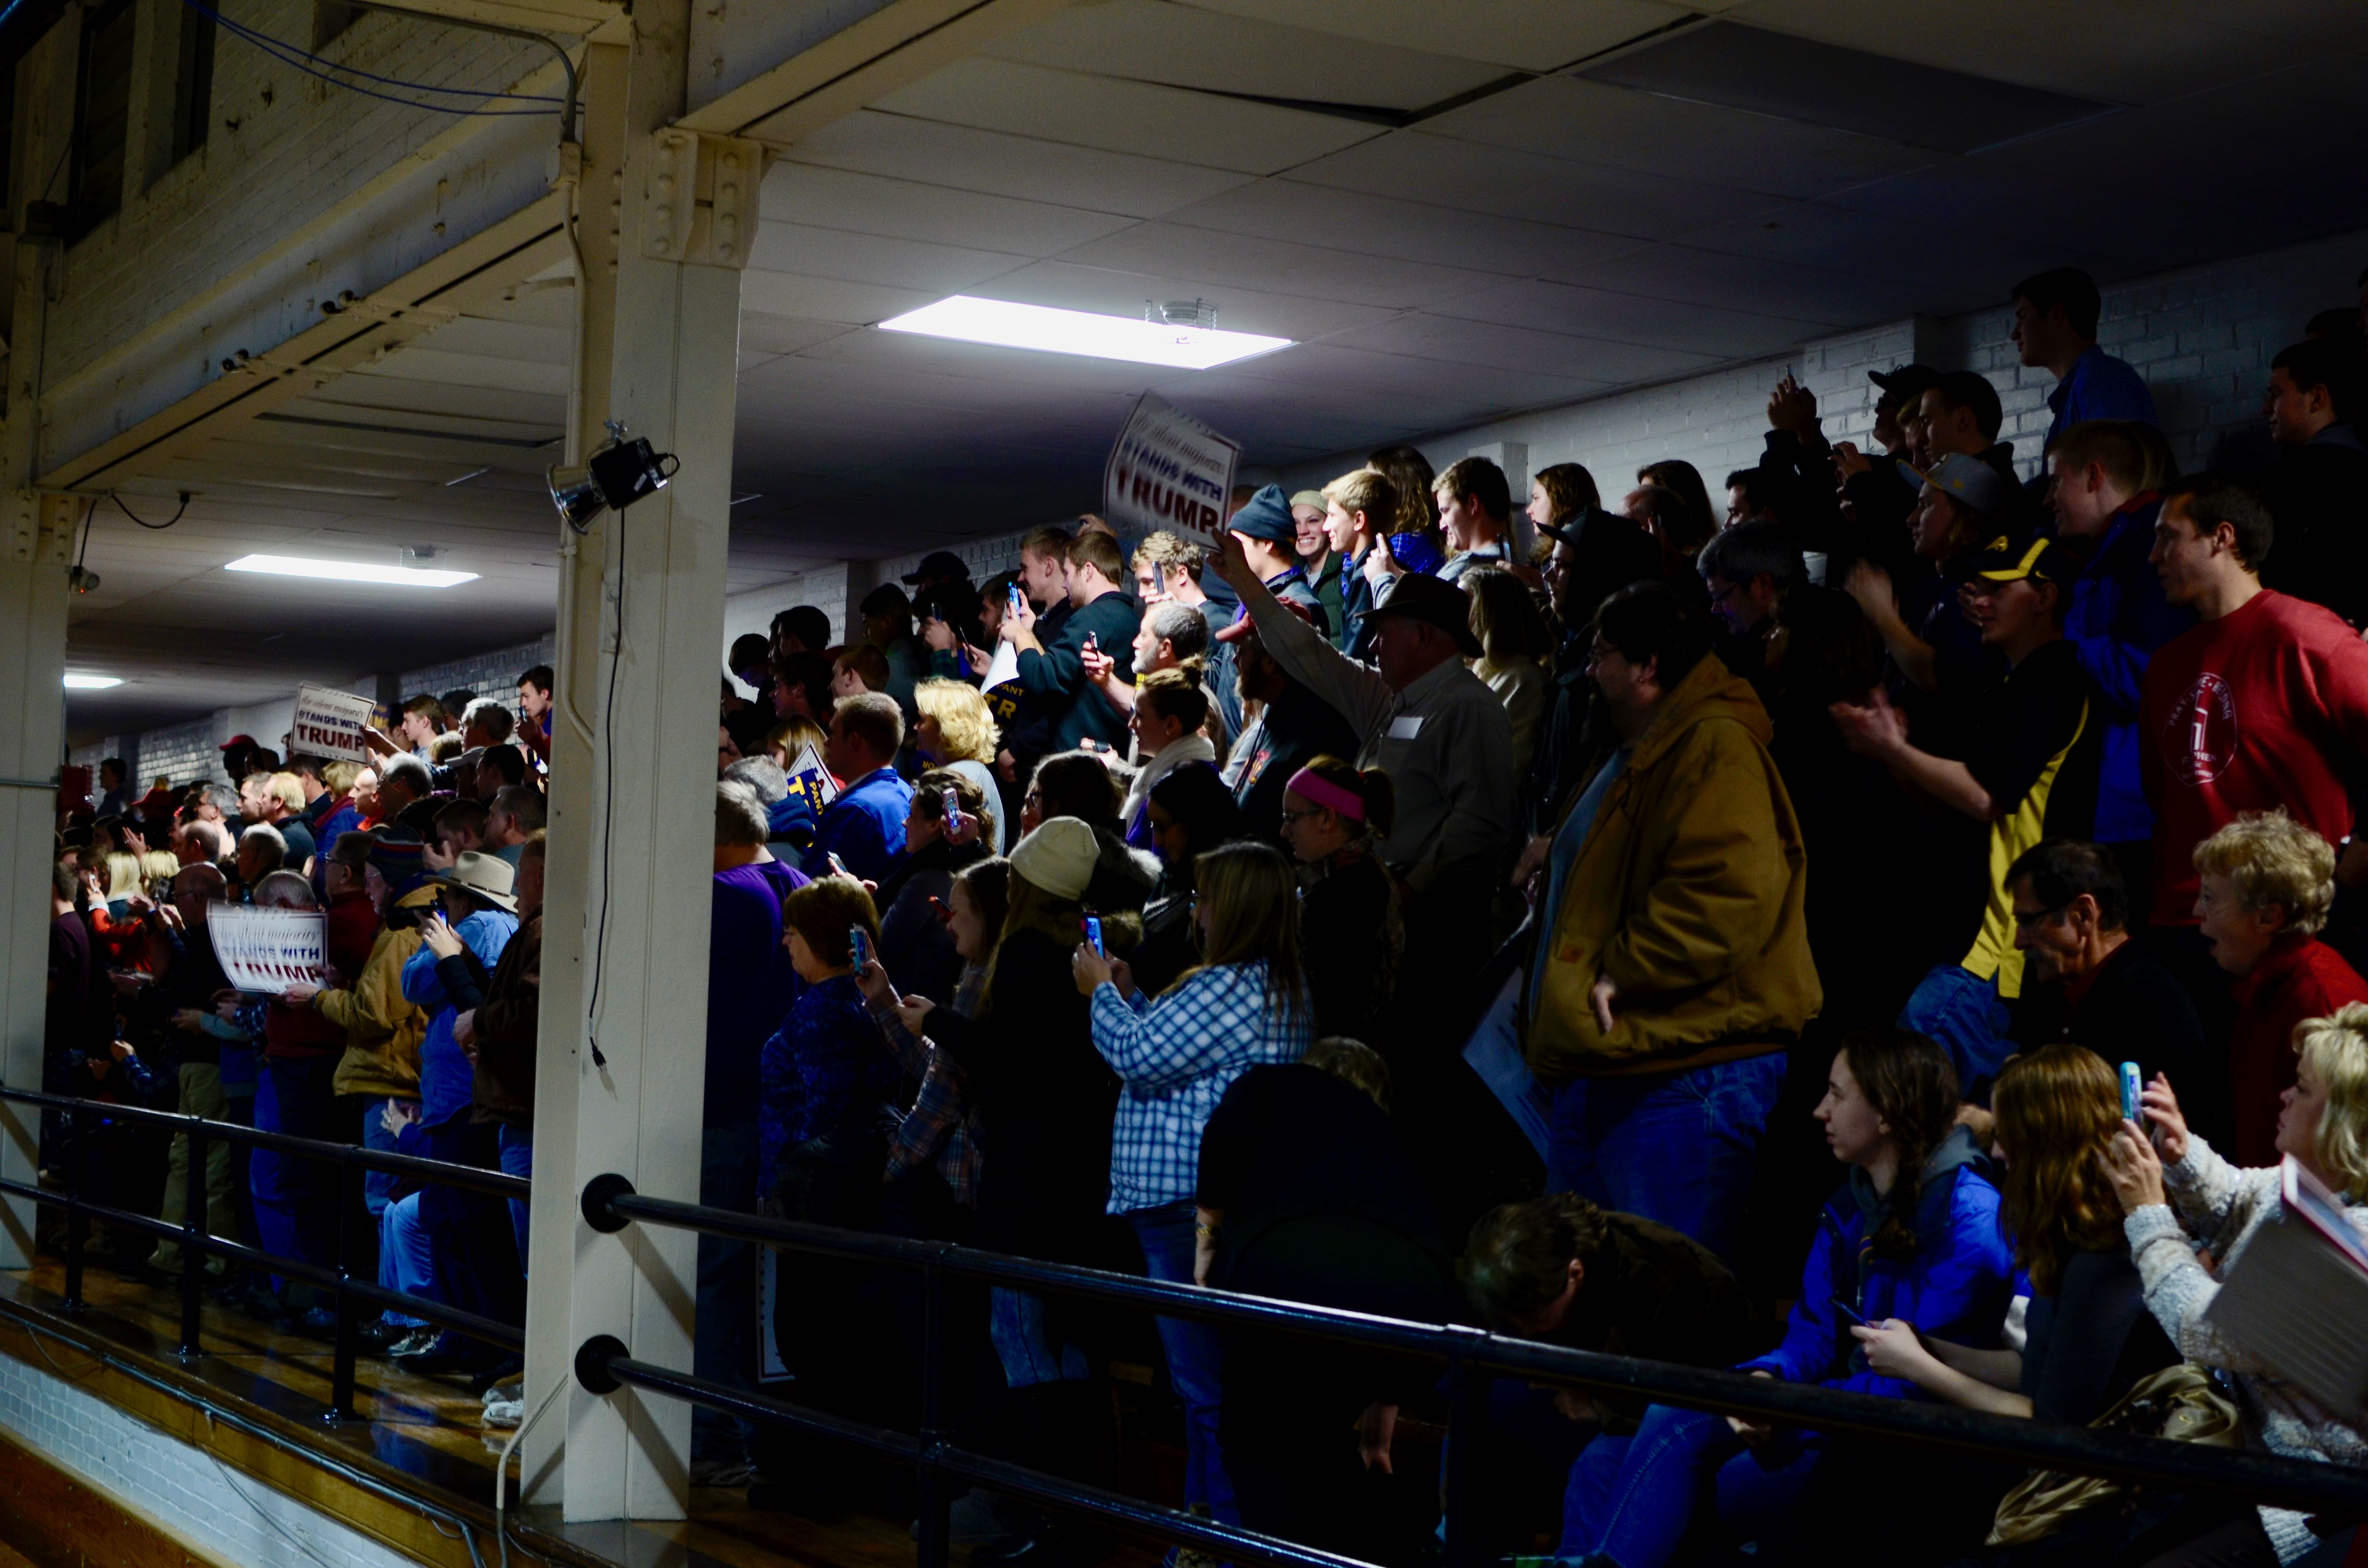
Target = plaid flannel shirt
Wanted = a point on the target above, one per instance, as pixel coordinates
(1176, 1056)
(941, 1128)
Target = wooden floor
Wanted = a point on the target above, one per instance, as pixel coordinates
(431, 1430)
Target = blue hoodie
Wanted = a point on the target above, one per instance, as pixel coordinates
(1956, 1287)
(2116, 620)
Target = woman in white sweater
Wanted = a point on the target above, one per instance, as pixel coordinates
(2188, 1202)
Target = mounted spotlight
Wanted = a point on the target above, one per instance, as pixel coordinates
(618, 473)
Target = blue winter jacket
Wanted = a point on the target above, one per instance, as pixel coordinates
(2115, 621)
(1956, 1287)
(448, 1081)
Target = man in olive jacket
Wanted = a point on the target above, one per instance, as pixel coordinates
(1673, 966)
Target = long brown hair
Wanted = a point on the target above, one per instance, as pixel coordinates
(1913, 1087)
(2057, 1108)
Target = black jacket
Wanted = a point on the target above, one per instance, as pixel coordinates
(1295, 728)
(2137, 1011)
(1046, 1100)
(2318, 508)
(1061, 707)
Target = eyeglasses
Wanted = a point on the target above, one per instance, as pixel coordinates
(2025, 921)
(1600, 652)
(1290, 817)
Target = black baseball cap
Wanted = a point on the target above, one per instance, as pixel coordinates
(1902, 383)
(2037, 557)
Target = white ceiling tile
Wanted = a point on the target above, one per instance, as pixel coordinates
(1153, 40)
(1518, 34)
(1154, 121)
(1332, 364)
(1460, 175)
(999, 164)
(1630, 318)
(1589, 122)
(813, 252)
(1407, 231)
(911, 210)
(1330, 271)
(1694, 277)
(1426, 336)
(828, 299)
(785, 335)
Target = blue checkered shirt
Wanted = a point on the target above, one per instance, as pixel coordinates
(1174, 1057)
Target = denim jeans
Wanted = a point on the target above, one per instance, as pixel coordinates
(1677, 1148)
(1965, 1015)
(1633, 1499)
(518, 1160)
(1195, 1357)
(723, 1324)
(1021, 1324)
(296, 1199)
(378, 1186)
(406, 1259)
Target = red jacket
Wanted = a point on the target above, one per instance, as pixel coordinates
(2298, 977)
(2265, 707)
(352, 927)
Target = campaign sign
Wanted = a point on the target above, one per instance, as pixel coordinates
(1168, 471)
(810, 780)
(267, 950)
(329, 723)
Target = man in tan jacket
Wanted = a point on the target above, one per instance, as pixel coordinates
(383, 1029)
(1672, 966)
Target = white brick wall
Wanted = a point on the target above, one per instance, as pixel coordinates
(492, 674)
(2202, 336)
(178, 1488)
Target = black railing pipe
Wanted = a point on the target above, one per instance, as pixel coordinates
(610, 1203)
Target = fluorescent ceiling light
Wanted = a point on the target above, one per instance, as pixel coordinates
(349, 571)
(972, 320)
(92, 683)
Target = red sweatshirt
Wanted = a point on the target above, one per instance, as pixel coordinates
(2298, 977)
(2265, 707)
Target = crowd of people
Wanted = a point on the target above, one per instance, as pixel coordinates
(1715, 935)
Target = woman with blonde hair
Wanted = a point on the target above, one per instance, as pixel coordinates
(953, 729)
(2266, 883)
(1244, 1004)
(1515, 644)
(2182, 1201)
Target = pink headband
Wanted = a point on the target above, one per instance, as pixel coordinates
(1310, 786)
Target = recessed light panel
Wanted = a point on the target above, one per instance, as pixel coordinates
(1041, 327)
(349, 572)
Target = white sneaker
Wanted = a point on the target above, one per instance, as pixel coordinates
(506, 1393)
(504, 1412)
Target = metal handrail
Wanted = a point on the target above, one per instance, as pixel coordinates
(197, 1244)
(496, 1184)
(610, 1203)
